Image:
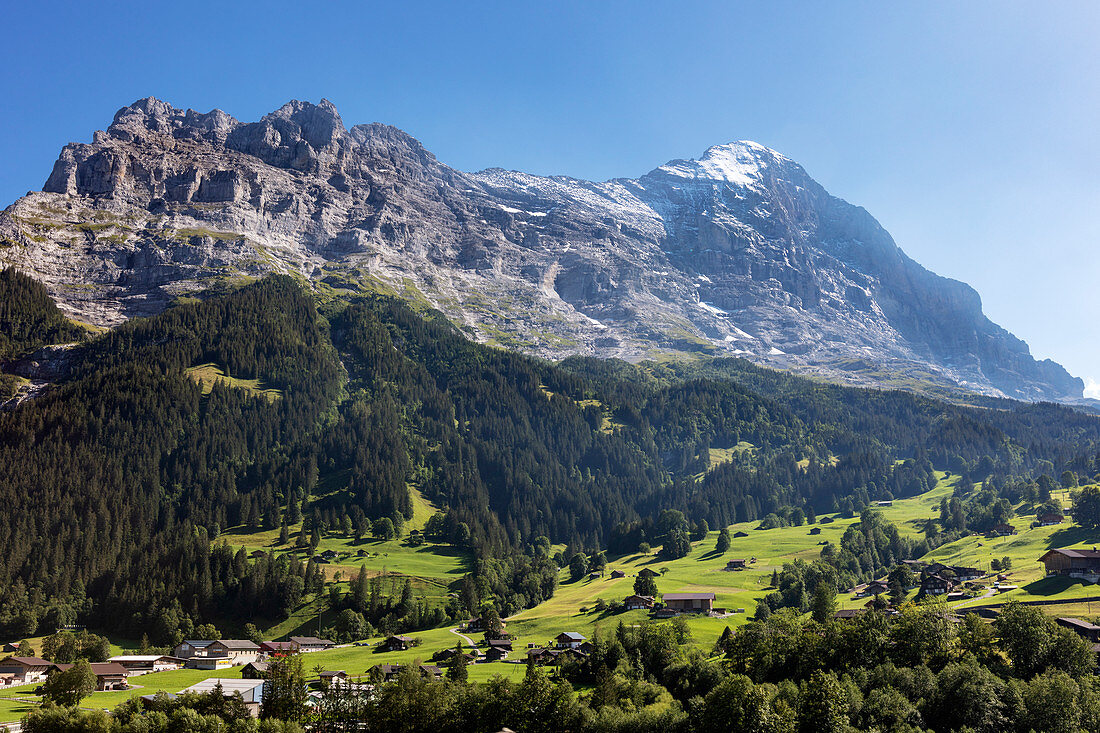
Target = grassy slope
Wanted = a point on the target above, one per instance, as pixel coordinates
(433, 568)
(208, 375)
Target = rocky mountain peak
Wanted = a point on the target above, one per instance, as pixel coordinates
(736, 253)
(741, 163)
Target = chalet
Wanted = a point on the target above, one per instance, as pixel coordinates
(310, 643)
(255, 670)
(965, 574)
(1080, 627)
(444, 655)
(740, 534)
(690, 602)
(847, 614)
(251, 691)
(239, 651)
(385, 672)
(647, 573)
(539, 656)
(505, 644)
(595, 574)
(136, 664)
(25, 670)
(333, 677)
(618, 574)
(875, 588)
(568, 639)
(1073, 563)
(1051, 519)
(586, 647)
(936, 585)
(431, 672)
(634, 603)
(269, 648)
(496, 653)
(329, 554)
(815, 530)
(1002, 530)
(934, 568)
(396, 643)
(192, 648)
(108, 675)
(737, 564)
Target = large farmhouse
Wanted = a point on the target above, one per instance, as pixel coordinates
(24, 670)
(1073, 563)
(108, 675)
(690, 602)
(136, 664)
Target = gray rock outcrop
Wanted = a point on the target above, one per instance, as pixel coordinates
(737, 253)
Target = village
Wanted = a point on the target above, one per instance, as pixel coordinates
(239, 666)
(711, 594)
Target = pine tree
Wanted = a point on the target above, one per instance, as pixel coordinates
(285, 692)
(723, 544)
(456, 666)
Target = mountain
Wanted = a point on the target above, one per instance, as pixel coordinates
(738, 253)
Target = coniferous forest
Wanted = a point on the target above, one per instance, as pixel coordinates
(119, 478)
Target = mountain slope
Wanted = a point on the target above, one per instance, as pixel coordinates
(737, 253)
(361, 400)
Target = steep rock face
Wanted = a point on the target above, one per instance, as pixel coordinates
(737, 253)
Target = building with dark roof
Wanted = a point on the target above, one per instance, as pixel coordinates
(108, 675)
(310, 643)
(1072, 562)
(689, 602)
(1080, 627)
(25, 670)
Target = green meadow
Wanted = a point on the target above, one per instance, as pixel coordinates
(435, 568)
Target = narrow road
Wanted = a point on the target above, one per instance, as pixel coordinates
(469, 641)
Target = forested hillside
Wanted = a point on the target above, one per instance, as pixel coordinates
(119, 478)
(29, 318)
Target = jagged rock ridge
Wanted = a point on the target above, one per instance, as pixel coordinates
(738, 253)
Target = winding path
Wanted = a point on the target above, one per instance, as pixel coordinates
(469, 641)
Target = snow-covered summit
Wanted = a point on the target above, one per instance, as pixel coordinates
(741, 163)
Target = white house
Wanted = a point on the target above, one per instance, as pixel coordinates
(136, 664)
(569, 640)
(252, 691)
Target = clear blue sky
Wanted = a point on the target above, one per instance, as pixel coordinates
(969, 129)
